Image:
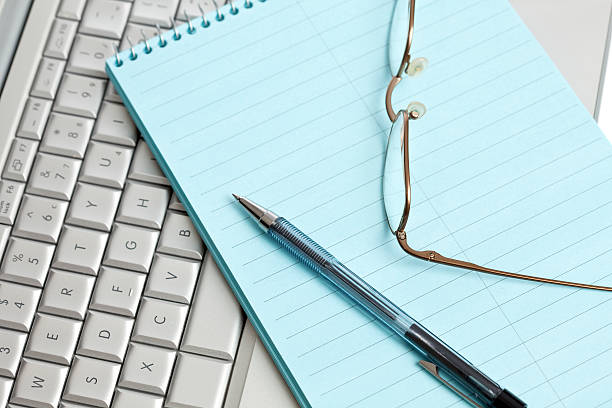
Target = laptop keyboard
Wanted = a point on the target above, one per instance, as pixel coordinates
(102, 301)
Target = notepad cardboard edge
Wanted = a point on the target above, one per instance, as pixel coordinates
(242, 299)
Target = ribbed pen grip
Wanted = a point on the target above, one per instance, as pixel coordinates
(299, 244)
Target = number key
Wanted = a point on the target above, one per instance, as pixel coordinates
(54, 176)
(26, 262)
(67, 135)
(11, 348)
(80, 95)
(17, 305)
(40, 218)
(89, 54)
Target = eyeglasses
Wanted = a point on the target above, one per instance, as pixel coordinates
(396, 175)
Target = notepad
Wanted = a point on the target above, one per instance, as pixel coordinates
(283, 102)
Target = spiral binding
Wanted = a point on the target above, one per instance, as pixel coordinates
(176, 36)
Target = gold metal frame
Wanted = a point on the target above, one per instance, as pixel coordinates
(400, 233)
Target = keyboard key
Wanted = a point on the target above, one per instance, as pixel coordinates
(20, 159)
(180, 238)
(71, 9)
(143, 205)
(54, 176)
(5, 390)
(118, 291)
(89, 55)
(39, 384)
(198, 382)
(105, 336)
(133, 32)
(66, 135)
(105, 18)
(147, 368)
(192, 9)
(10, 197)
(172, 278)
(216, 319)
(79, 95)
(5, 232)
(160, 323)
(67, 294)
(131, 247)
(60, 38)
(175, 204)
(106, 164)
(17, 305)
(131, 399)
(34, 118)
(53, 339)
(91, 381)
(114, 125)
(48, 78)
(26, 262)
(153, 12)
(93, 206)
(40, 218)
(11, 348)
(111, 94)
(80, 250)
(145, 167)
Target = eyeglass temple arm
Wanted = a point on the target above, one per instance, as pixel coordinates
(434, 256)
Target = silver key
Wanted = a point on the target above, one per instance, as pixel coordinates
(11, 348)
(34, 118)
(5, 390)
(26, 262)
(72, 9)
(10, 197)
(5, 232)
(79, 95)
(114, 125)
(118, 291)
(48, 78)
(160, 323)
(111, 94)
(105, 18)
(39, 384)
(54, 176)
(192, 9)
(175, 204)
(40, 218)
(67, 294)
(147, 368)
(143, 205)
(153, 12)
(180, 238)
(133, 32)
(216, 319)
(53, 339)
(91, 381)
(89, 54)
(198, 382)
(93, 206)
(20, 159)
(17, 305)
(80, 250)
(172, 278)
(60, 38)
(131, 247)
(106, 164)
(66, 135)
(131, 399)
(105, 336)
(145, 167)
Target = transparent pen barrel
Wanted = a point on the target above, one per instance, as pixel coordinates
(435, 350)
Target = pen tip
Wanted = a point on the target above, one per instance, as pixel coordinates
(236, 196)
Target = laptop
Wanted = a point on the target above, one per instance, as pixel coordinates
(108, 297)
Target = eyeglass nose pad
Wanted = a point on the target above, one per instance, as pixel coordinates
(417, 66)
(416, 110)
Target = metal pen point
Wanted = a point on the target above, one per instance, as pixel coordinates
(476, 388)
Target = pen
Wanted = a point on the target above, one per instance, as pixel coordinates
(479, 390)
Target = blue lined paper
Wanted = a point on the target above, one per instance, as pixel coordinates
(284, 103)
